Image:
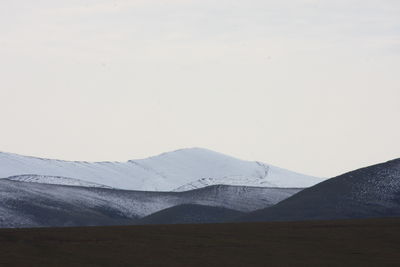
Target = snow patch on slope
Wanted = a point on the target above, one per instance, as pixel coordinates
(272, 177)
(44, 179)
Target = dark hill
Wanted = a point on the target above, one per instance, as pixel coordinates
(368, 192)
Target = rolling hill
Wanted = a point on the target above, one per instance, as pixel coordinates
(42, 205)
(368, 192)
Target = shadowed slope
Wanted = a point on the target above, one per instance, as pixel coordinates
(190, 213)
(368, 192)
(33, 204)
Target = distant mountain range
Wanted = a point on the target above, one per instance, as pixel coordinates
(190, 186)
(179, 170)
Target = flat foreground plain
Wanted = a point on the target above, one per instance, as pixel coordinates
(370, 242)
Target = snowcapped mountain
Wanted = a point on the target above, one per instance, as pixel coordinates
(178, 170)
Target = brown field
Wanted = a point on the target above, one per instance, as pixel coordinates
(374, 242)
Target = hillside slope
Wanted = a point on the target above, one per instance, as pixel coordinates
(33, 204)
(373, 191)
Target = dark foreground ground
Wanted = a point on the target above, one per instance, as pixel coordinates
(374, 242)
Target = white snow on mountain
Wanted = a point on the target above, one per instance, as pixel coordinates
(44, 179)
(273, 177)
(185, 168)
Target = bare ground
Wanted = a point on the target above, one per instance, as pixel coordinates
(371, 242)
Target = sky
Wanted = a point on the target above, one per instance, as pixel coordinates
(311, 86)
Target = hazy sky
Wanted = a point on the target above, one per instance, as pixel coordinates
(311, 86)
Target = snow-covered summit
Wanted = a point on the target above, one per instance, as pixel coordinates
(182, 169)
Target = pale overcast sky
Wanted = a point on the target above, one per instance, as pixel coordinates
(311, 86)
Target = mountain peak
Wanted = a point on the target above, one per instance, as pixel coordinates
(190, 150)
(183, 168)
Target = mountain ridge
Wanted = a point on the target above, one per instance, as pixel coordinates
(164, 172)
